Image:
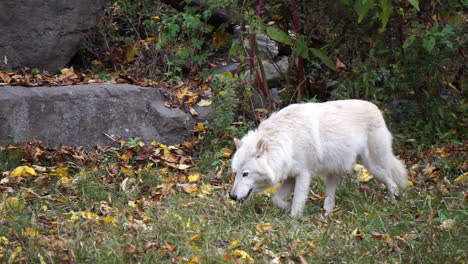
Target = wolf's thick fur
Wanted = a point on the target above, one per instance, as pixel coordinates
(314, 139)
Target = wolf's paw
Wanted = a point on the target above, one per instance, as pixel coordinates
(282, 204)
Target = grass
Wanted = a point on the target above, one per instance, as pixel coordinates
(97, 218)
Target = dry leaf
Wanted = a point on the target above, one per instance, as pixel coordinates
(23, 171)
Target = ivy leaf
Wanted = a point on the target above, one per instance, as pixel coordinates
(363, 7)
(324, 58)
(301, 47)
(409, 40)
(279, 35)
(386, 7)
(429, 44)
(415, 4)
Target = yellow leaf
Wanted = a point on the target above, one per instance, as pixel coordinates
(195, 237)
(367, 214)
(131, 50)
(365, 177)
(226, 152)
(150, 39)
(155, 18)
(264, 227)
(199, 127)
(441, 152)
(154, 143)
(194, 177)
(124, 156)
(205, 103)
(243, 255)
(462, 178)
(31, 232)
(181, 93)
(271, 189)
(219, 39)
(4, 240)
(110, 219)
(195, 260)
(127, 171)
(227, 75)
(234, 244)
(206, 189)
(410, 183)
(23, 171)
(15, 254)
(13, 203)
(311, 246)
(64, 181)
(89, 215)
(357, 233)
(60, 172)
(73, 217)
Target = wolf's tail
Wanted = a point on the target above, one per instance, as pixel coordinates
(398, 173)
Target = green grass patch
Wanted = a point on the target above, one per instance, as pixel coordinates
(150, 215)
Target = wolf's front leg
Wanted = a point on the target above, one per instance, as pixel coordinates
(301, 191)
(283, 193)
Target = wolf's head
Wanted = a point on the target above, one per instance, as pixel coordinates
(250, 167)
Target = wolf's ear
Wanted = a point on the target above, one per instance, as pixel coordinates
(261, 147)
(238, 143)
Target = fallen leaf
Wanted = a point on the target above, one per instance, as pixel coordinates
(199, 127)
(15, 254)
(365, 177)
(110, 219)
(24, 171)
(89, 215)
(31, 232)
(195, 237)
(357, 233)
(234, 244)
(219, 39)
(204, 103)
(195, 260)
(4, 240)
(226, 152)
(448, 224)
(462, 178)
(190, 188)
(263, 227)
(236, 254)
(194, 177)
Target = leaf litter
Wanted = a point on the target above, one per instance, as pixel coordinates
(123, 169)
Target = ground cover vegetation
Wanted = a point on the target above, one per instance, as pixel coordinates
(146, 202)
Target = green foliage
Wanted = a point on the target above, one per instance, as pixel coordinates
(279, 35)
(224, 101)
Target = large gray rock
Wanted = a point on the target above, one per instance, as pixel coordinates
(45, 34)
(88, 114)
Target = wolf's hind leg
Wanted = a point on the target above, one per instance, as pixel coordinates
(301, 191)
(331, 182)
(283, 193)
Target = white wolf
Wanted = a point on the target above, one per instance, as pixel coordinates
(314, 139)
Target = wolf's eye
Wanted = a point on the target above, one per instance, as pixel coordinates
(245, 174)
